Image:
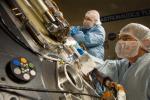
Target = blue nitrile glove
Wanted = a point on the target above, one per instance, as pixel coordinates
(80, 51)
(74, 30)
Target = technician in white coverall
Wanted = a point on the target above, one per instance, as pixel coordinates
(133, 72)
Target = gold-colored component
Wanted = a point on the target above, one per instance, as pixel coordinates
(61, 62)
(23, 60)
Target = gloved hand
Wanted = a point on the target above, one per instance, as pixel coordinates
(74, 30)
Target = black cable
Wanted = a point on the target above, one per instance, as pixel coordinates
(19, 94)
(14, 37)
(44, 90)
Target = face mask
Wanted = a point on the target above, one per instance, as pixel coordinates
(127, 49)
(88, 22)
(87, 25)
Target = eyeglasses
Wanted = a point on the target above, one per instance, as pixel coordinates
(127, 38)
(88, 18)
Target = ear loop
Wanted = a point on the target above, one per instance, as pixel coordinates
(144, 47)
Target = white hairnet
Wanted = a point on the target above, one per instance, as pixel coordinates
(94, 14)
(139, 32)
